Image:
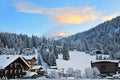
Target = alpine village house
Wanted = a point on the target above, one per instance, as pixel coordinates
(31, 60)
(104, 64)
(15, 66)
(12, 66)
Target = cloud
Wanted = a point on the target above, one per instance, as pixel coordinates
(62, 34)
(56, 34)
(74, 19)
(110, 17)
(64, 15)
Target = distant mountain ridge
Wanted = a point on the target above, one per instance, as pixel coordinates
(105, 37)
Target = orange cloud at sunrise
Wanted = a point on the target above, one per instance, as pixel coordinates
(61, 34)
(75, 19)
(56, 34)
(63, 15)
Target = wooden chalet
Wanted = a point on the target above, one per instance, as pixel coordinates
(12, 66)
(95, 52)
(31, 60)
(38, 69)
(106, 66)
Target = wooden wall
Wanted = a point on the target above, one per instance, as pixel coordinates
(106, 67)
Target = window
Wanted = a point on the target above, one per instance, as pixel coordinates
(34, 62)
(11, 71)
(11, 65)
(29, 62)
(15, 65)
(15, 71)
(6, 71)
(20, 65)
(19, 71)
(1, 71)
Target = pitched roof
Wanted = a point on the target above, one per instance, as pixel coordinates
(37, 67)
(114, 61)
(29, 57)
(5, 60)
(53, 66)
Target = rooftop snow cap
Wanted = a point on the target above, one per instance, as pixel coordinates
(5, 60)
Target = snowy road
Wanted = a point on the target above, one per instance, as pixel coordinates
(44, 64)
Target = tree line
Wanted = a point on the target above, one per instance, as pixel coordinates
(11, 43)
(104, 37)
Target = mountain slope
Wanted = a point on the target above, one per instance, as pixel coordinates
(105, 36)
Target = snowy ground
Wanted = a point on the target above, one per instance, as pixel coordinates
(78, 60)
(72, 79)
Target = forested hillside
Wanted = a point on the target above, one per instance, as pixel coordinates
(11, 43)
(105, 37)
(13, 40)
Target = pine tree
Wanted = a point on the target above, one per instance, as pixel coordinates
(65, 52)
(55, 52)
(77, 73)
(52, 59)
(70, 72)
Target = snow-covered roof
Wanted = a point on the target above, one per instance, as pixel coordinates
(114, 61)
(59, 46)
(36, 67)
(25, 62)
(95, 51)
(109, 77)
(70, 78)
(116, 75)
(29, 57)
(53, 67)
(30, 74)
(5, 60)
(27, 49)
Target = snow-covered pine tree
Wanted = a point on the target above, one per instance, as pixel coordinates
(77, 74)
(91, 73)
(88, 74)
(70, 72)
(48, 56)
(65, 52)
(55, 51)
(96, 72)
(52, 59)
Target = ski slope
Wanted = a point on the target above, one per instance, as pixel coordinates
(78, 60)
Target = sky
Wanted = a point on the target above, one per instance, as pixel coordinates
(52, 18)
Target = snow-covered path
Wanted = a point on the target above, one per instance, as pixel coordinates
(44, 64)
(78, 60)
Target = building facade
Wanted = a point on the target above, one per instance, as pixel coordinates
(106, 66)
(12, 66)
(31, 60)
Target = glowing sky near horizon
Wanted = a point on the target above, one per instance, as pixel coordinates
(55, 17)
